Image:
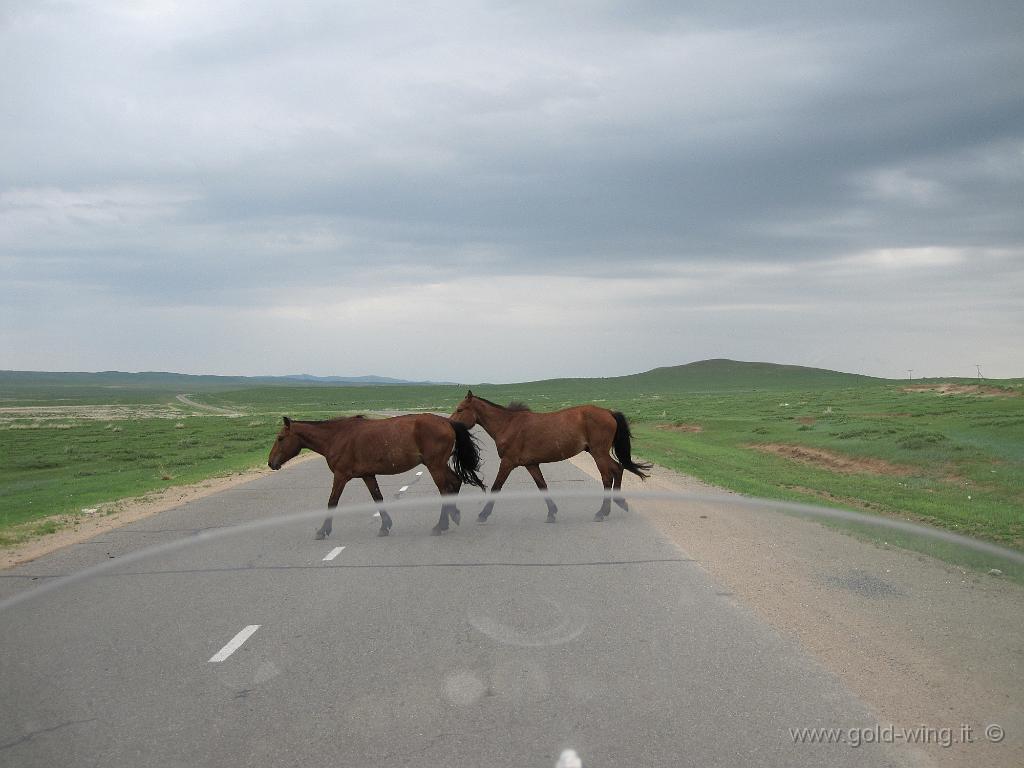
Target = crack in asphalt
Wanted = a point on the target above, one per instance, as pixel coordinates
(325, 567)
(32, 734)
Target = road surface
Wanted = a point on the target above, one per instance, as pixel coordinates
(502, 644)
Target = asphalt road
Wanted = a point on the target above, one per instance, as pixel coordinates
(501, 644)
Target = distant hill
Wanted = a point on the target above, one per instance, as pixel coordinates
(703, 376)
(352, 380)
(178, 382)
(716, 376)
(735, 374)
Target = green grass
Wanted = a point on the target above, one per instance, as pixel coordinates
(49, 471)
(961, 455)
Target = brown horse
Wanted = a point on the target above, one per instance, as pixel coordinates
(364, 448)
(527, 439)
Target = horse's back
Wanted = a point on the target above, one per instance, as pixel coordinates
(587, 418)
(393, 444)
(540, 438)
(432, 433)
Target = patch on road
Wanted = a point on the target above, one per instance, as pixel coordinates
(864, 584)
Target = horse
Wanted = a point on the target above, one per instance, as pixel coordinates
(364, 448)
(528, 439)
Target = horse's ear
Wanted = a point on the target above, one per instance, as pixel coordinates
(469, 394)
(287, 422)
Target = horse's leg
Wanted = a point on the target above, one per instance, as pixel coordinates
(374, 489)
(503, 471)
(455, 485)
(339, 485)
(617, 485)
(538, 478)
(442, 477)
(604, 462)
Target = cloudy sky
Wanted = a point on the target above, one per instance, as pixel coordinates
(507, 191)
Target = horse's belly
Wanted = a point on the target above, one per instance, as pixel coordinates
(387, 462)
(559, 451)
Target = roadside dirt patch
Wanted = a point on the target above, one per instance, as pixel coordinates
(42, 413)
(962, 389)
(694, 428)
(846, 501)
(186, 400)
(832, 461)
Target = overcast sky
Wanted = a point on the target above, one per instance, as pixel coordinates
(511, 191)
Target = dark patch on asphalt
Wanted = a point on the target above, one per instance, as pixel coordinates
(863, 583)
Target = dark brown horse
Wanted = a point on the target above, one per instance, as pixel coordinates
(364, 448)
(527, 439)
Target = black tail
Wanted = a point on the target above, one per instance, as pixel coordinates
(621, 446)
(466, 456)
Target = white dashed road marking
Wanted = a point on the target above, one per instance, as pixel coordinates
(235, 644)
(333, 553)
(405, 488)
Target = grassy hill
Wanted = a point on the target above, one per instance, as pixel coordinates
(27, 388)
(718, 375)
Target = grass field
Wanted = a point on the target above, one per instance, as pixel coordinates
(948, 452)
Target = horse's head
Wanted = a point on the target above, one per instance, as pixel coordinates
(465, 412)
(286, 446)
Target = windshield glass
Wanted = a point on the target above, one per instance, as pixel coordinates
(511, 383)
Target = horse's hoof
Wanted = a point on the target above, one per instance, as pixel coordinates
(481, 518)
(435, 531)
(599, 518)
(383, 532)
(320, 536)
(456, 516)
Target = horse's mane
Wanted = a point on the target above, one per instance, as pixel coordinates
(515, 405)
(331, 420)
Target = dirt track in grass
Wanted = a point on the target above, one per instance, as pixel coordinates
(833, 461)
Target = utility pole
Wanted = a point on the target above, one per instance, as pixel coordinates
(978, 366)
(910, 372)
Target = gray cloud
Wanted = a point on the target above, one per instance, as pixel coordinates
(803, 182)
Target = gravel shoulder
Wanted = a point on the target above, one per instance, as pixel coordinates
(920, 641)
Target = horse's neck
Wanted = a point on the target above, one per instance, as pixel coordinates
(315, 437)
(494, 420)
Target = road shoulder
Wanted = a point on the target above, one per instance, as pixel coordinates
(917, 639)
